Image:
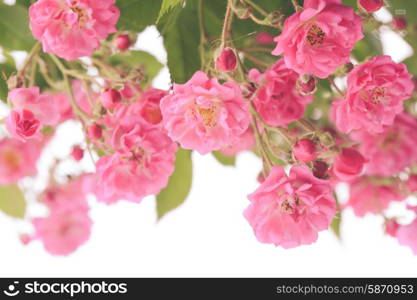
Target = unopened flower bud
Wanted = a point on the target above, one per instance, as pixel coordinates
(305, 150)
(399, 23)
(370, 5)
(307, 85)
(77, 153)
(264, 38)
(122, 42)
(227, 60)
(94, 131)
(110, 98)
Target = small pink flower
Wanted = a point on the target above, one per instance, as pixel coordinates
(204, 115)
(141, 166)
(391, 151)
(289, 211)
(23, 124)
(226, 61)
(245, 142)
(367, 196)
(62, 232)
(305, 150)
(110, 98)
(277, 99)
(371, 5)
(375, 95)
(406, 235)
(72, 28)
(18, 159)
(319, 38)
(348, 164)
(43, 106)
(122, 42)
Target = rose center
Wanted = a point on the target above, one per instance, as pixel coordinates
(315, 35)
(209, 115)
(12, 159)
(376, 95)
(290, 204)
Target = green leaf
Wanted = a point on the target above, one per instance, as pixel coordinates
(167, 6)
(181, 40)
(6, 69)
(337, 221)
(14, 28)
(175, 193)
(223, 159)
(12, 201)
(139, 59)
(136, 15)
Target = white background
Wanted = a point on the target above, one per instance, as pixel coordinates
(208, 235)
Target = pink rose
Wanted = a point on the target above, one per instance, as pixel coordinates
(18, 159)
(23, 124)
(62, 232)
(72, 28)
(141, 166)
(319, 38)
(289, 211)
(348, 164)
(391, 151)
(375, 95)
(204, 115)
(367, 196)
(277, 99)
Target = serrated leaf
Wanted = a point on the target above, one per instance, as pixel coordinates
(136, 15)
(223, 159)
(14, 28)
(139, 59)
(179, 185)
(167, 6)
(12, 201)
(181, 40)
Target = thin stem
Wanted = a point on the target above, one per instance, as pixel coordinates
(256, 7)
(31, 55)
(228, 18)
(256, 60)
(267, 162)
(297, 7)
(339, 91)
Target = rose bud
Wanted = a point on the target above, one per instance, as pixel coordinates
(391, 227)
(348, 164)
(110, 98)
(320, 169)
(305, 150)
(307, 86)
(227, 60)
(122, 42)
(77, 153)
(94, 131)
(264, 38)
(399, 23)
(371, 5)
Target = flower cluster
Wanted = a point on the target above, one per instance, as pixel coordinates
(310, 134)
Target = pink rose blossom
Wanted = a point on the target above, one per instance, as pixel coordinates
(277, 99)
(72, 28)
(348, 164)
(406, 235)
(204, 115)
(367, 196)
(391, 151)
(43, 106)
(375, 95)
(289, 211)
(18, 159)
(22, 124)
(141, 166)
(319, 38)
(62, 232)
